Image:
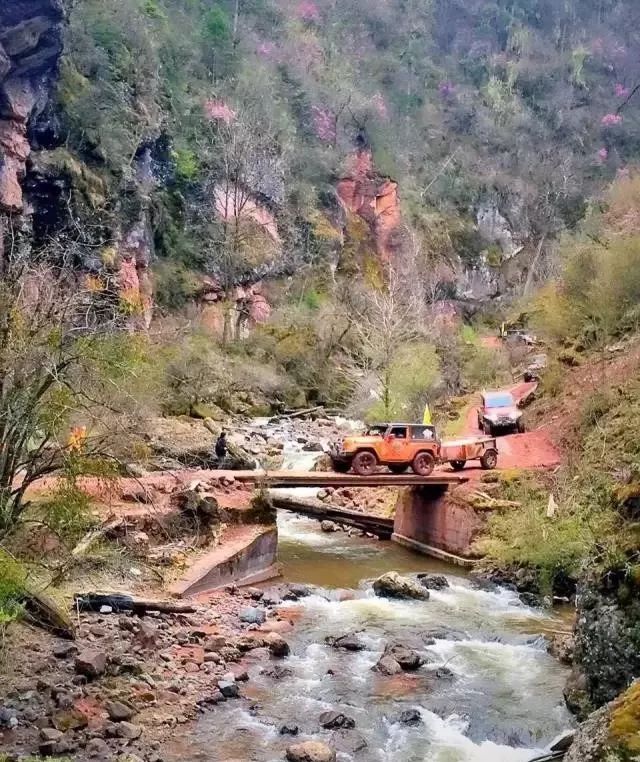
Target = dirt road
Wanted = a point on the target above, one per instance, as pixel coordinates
(534, 449)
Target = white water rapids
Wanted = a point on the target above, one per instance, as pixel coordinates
(503, 702)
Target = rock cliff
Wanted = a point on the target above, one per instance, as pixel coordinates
(607, 636)
(30, 48)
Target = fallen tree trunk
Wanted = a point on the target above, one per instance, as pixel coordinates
(299, 413)
(376, 525)
(94, 535)
(123, 602)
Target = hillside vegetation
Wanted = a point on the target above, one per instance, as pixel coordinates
(498, 120)
(591, 398)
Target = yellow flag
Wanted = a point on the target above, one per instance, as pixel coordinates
(426, 420)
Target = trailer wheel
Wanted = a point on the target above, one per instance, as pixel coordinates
(365, 463)
(458, 465)
(489, 460)
(398, 468)
(341, 466)
(423, 464)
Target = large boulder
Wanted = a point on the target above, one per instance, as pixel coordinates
(393, 585)
(311, 751)
(611, 733)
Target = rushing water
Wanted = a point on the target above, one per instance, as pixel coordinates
(503, 704)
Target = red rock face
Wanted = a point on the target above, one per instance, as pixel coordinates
(373, 198)
(135, 286)
(29, 53)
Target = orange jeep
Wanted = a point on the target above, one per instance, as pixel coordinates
(396, 445)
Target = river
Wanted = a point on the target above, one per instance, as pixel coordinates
(502, 704)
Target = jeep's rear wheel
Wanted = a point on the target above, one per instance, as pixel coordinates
(365, 463)
(423, 464)
(398, 468)
(341, 466)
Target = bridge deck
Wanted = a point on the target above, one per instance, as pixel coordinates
(288, 479)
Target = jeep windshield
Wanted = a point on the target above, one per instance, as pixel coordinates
(493, 401)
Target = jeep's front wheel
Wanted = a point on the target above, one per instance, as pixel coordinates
(365, 463)
(423, 464)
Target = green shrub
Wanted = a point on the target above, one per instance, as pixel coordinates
(217, 27)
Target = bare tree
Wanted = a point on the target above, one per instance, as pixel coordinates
(239, 225)
(384, 321)
(53, 338)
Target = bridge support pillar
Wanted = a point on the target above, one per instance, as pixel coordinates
(428, 521)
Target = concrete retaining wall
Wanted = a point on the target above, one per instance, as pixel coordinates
(427, 519)
(246, 556)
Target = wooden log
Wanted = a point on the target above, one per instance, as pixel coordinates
(94, 535)
(125, 602)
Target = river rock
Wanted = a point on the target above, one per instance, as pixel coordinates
(393, 585)
(410, 717)
(229, 688)
(349, 741)
(347, 643)
(331, 720)
(295, 591)
(277, 645)
(328, 526)
(253, 615)
(576, 695)
(91, 664)
(277, 672)
(70, 719)
(119, 712)
(433, 581)
(561, 647)
(289, 730)
(215, 643)
(310, 751)
(65, 650)
(408, 659)
(387, 665)
(97, 748)
(8, 718)
(444, 673)
(128, 731)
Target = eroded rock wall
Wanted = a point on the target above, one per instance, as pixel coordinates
(607, 638)
(30, 48)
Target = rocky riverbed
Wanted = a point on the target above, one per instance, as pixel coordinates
(127, 681)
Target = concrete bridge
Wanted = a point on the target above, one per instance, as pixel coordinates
(425, 519)
(320, 479)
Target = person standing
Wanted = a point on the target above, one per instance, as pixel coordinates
(221, 448)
